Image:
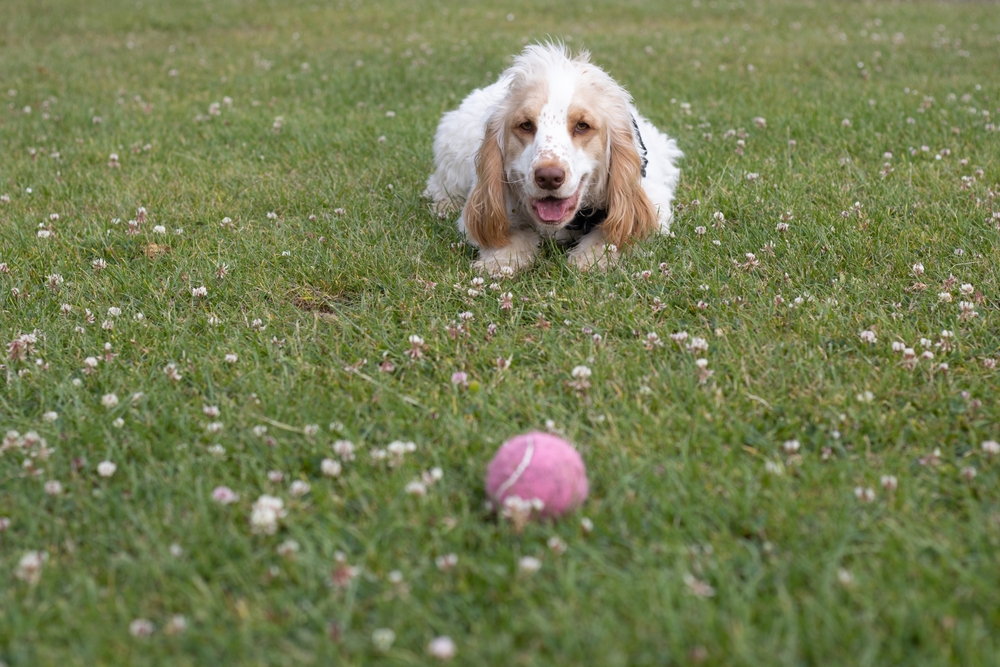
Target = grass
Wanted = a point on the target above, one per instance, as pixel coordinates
(352, 264)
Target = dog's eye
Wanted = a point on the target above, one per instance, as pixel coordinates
(527, 126)
(582, 127)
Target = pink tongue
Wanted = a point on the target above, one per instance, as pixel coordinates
(551, 210)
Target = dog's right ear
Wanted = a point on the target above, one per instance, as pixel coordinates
(485, 212)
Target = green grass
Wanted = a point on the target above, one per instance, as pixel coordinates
(802, 571)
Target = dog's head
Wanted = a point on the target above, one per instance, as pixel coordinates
(561, 140)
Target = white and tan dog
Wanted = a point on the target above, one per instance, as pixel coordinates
(554, 148)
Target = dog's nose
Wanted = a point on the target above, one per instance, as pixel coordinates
(549, 178)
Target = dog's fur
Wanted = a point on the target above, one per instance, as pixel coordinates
(554, 136)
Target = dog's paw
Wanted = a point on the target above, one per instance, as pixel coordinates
(600, 257)
(516, 256)
(503, 265)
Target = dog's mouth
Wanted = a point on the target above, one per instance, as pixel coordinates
(553, 210)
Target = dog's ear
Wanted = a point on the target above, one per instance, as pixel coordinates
(485, 212)
(631, 215)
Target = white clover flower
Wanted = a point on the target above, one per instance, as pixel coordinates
(698, 344)
(267, 510)
(889, 482)
(557, 544)
(53, 487)
(868, 336)
(141, 627)
(581, 372)
(106, 468)
(201, 291)
(176, 625)
(29, 568)
(416, 488)
(109, 401)
(865, 495)
(991, 447)
(224, 495)
(529, 565)
(330, 468)
(344, 449)
(442, 648)
(382, 639)
(446, 562)
(288, 548)
(790, 446)
(298, 488)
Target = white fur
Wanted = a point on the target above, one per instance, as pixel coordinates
(519, 254)
(461, 132)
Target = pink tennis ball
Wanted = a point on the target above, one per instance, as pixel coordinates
(539, 466)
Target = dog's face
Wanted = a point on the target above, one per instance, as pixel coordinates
(554, 148)
(561, 140)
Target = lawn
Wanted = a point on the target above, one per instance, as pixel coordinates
(214, 253)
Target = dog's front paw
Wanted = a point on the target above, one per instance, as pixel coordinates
(503, 265)
(599, 257)
(517, 255)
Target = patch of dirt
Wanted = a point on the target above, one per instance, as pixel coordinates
(314, 299)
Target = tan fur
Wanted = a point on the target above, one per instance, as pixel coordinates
(631, 215)
(485, 212)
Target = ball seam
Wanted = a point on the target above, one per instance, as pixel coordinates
(516, 475)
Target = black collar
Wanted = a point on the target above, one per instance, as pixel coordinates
(642, 153)
(586, 219)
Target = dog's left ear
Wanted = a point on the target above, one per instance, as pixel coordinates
(631, 215)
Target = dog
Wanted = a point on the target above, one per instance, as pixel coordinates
(553, 149)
